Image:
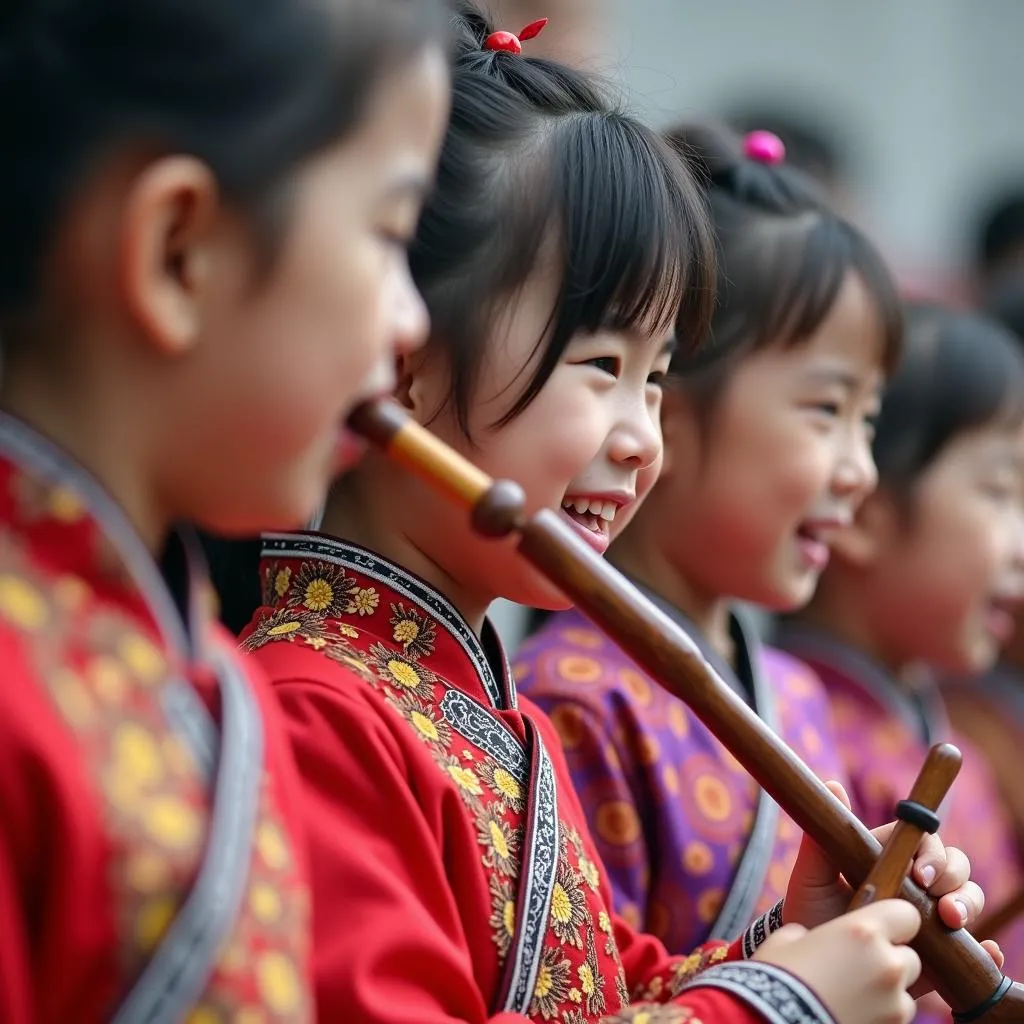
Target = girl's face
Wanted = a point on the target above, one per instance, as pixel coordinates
(750, 500)
(948, 570)
(588, 446)
(284, 358)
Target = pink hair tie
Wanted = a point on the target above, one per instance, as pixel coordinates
(510, 43)
(764, 147)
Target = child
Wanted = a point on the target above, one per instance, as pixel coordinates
(454, 876)
(194, 196)
(766, 454)
(926, 578)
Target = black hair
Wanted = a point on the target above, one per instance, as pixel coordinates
(959, 371)
(250, 87)
(1000, 229)
(811, 146)
(783, 256)
(538, 168)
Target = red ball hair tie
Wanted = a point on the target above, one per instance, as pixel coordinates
(509, 43)
(764, 147)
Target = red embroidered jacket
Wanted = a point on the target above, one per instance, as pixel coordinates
(421, 809)
(105, 811)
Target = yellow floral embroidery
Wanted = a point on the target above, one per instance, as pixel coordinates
(500, 843)
(364, 601)
(568, 906)
(282, 581)
(318, 643)
(21, 604)
(318, 595)
(588, 869)
(321, 588)
(414, 631)
(503, 912)
(344, 630)
(403, 673)
(552, 987)
(464, 779)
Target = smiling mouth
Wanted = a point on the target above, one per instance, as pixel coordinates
(594, 514)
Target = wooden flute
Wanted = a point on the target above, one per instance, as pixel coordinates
(962, 971)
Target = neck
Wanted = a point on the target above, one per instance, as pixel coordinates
(369, 508)
(93, 424)
(838, 610)
(638, 558)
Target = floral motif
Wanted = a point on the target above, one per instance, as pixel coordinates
(500, 843)
(654, 1015)
(288, 624)
(363, 601)
(425, 720)
(503, 912)
(591, 979)
(503, 785)
(322, 588)
(397, 669)
(416, 632)
(340, 650)
(552, 987)
(589, 872)
(568, 906)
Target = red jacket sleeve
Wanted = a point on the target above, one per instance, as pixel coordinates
(15, 972)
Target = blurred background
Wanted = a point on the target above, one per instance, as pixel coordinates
(909, 110)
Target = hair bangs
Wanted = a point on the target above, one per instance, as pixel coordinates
(635, 243)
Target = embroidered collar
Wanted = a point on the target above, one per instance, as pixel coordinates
(501, 693)
(28, 451)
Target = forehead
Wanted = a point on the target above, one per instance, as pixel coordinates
(406, 115)
(852, 331)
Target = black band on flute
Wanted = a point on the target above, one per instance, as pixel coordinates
(991, 1003)
(918, 815)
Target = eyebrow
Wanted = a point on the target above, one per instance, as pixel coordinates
(834, 375)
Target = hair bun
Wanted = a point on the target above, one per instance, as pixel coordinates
(470, 27)
(715, 153)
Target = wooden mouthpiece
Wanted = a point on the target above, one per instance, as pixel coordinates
(917, 815)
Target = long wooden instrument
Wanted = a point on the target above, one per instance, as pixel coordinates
(963, 973)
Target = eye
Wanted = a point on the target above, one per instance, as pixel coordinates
(657, 378)
(606, 364)
(828, 408)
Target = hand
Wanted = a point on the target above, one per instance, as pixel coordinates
(818, 893)
(858, 964)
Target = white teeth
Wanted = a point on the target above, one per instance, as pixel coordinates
(602, 509)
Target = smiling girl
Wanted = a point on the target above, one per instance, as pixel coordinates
(926, 579)
(564, 251)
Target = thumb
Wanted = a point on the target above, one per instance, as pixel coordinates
(812, 867)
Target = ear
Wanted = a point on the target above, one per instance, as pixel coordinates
(876, 527)
(165, 245)
(424, 382)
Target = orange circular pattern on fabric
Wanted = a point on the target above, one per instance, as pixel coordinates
(677, 720)
(890, 739)
(582, 637)
(636, 685)
(709, 903)
(611, 756)
(811, 739)
(799, 684)
(617, 823)
(670, 779)
(576, 668)
(650, 750)
(568, 723)
(713, 799)
(698, 858)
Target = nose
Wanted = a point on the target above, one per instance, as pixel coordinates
(410, 318)
(635, 440)
(856, 474)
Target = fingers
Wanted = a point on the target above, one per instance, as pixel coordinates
(992, 948)
(909, 964)
(931, 863)
(894, 920)
(963, 906)
(837, 790)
